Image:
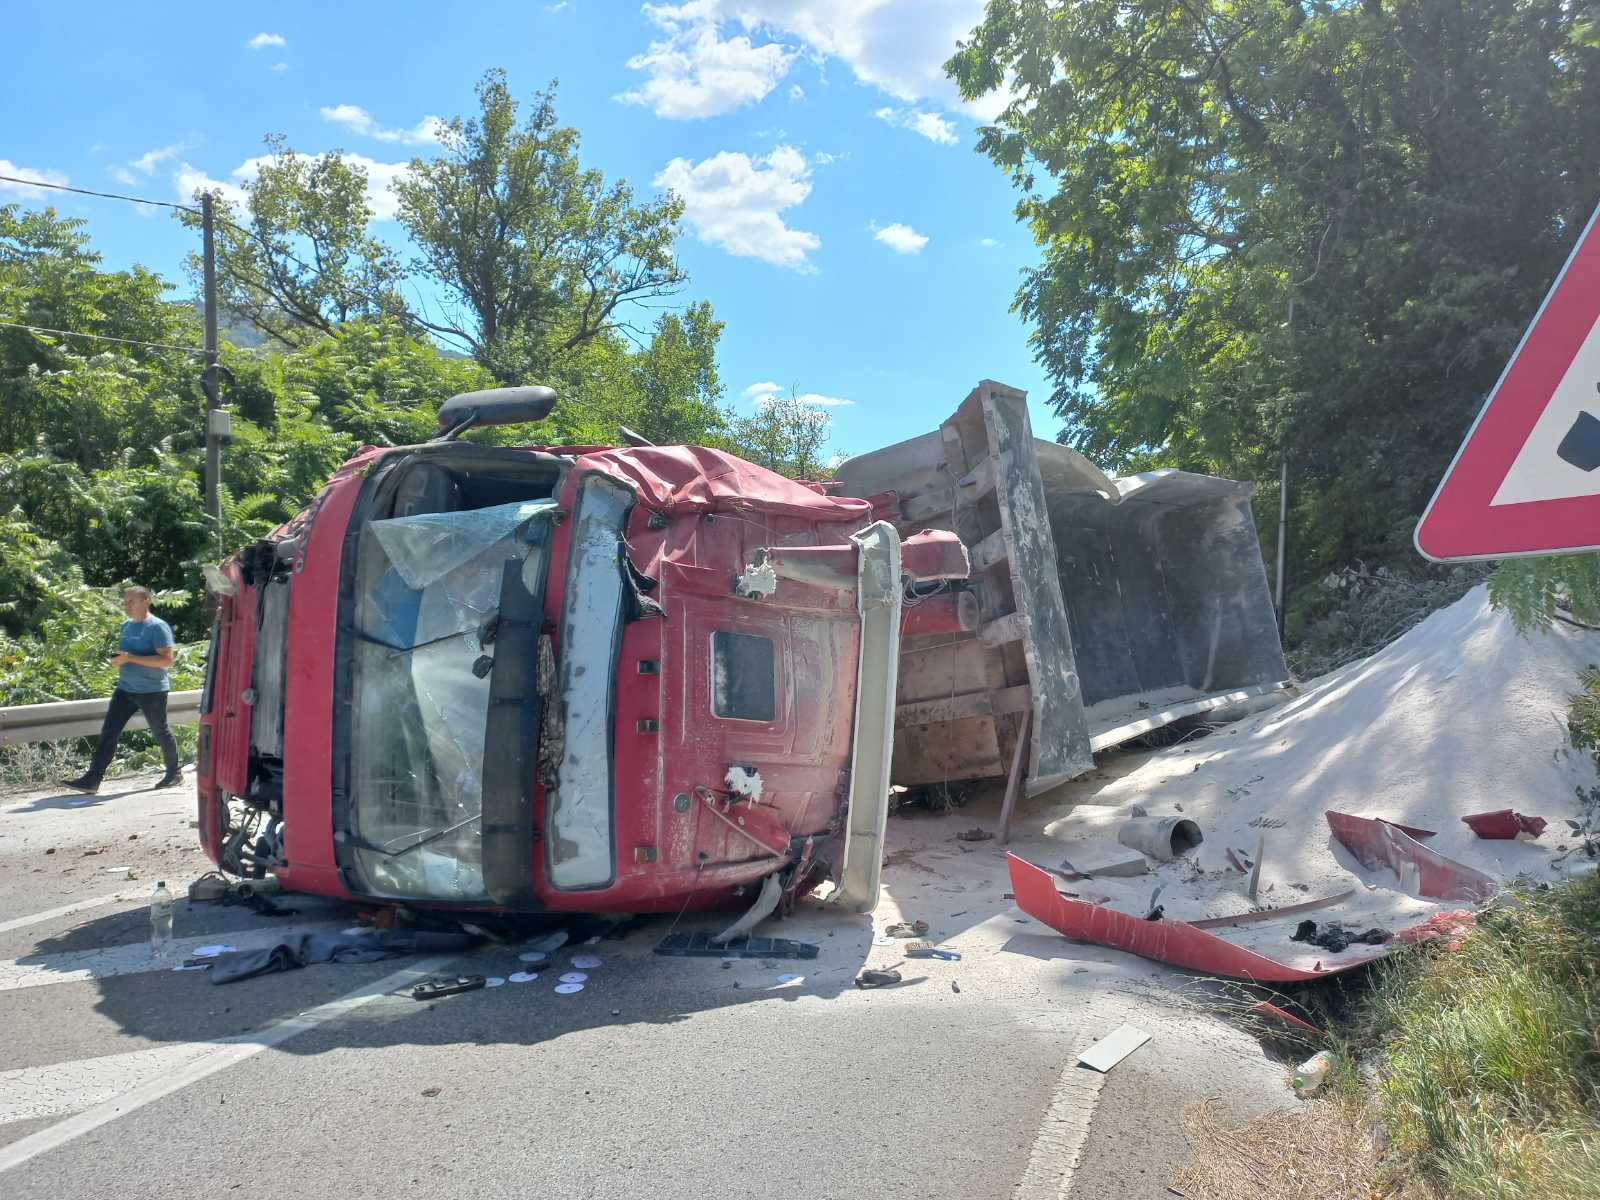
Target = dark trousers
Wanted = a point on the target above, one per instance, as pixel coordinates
(123, 705)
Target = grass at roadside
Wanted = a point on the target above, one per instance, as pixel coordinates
(39, 764)
(1478, 1075)
(1489, 1056)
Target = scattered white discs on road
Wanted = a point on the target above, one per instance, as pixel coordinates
(493, 981)
(212, 951)
(533, 956)
(586, 962)
(574, 977)
(566, 989)
(523, 976)
(790, 978)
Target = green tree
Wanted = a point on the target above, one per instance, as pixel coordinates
(785, 435)
(298, 261)
(667, 391)
(78, 397)
(1273, 228)
(534, 255)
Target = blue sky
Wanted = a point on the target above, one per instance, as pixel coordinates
(839, 219)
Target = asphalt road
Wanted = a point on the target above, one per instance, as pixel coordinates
(666, 1077)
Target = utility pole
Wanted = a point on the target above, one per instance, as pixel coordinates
(217, 421)
(1283, 536)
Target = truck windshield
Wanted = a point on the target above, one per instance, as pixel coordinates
(426, 592)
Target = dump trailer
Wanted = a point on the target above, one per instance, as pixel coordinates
(559, 678)
(1098, 609)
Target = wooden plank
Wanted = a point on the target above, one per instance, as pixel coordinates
(943, 670)
(1009, 628)
(1109, 1051)
(962, 707)
(957, 751)
(989, 551)
(1014, 781)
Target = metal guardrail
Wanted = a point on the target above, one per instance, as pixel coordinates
(74, 718)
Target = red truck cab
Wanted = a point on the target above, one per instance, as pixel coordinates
(590, 679)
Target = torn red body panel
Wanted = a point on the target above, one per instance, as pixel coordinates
(1504, 824)
(1421, 871)
(1176, 943)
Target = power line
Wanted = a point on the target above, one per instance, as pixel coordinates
(188, 208)
(101, 337)
(61, 187)
(267, 243)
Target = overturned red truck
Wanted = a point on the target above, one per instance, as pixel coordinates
(658, 678)
(599, 679)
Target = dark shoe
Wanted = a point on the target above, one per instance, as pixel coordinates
(170, 780)
(82, 784)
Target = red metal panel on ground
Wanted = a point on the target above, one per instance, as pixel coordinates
(1504, 824)
(1174, 942)
(1422, 872)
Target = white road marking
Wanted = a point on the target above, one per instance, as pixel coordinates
(66, 910)
(214, 1056)
(76, 966)
(1057, 1146)
(29, 1093)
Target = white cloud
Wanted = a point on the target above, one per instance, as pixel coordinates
(987, 243)
(381, 177)
(900, 238)
(43, 175)
(796, 93)
(145, 165)
(822, 158)
(763, 389)
(190, 180)
(280, 66)
(262, 40)
(930, 125)
(358, 120)
(897, 46)
(695, 73)
(736, 202)
(556, 7)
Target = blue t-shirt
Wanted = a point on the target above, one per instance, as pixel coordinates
(142, 638)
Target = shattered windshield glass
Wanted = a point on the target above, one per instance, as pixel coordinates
(427, 589)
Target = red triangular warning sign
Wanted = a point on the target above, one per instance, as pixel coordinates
(1527, 478)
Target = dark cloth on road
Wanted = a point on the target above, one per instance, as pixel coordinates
(311, 948)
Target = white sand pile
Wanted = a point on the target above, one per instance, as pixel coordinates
(1461, 715)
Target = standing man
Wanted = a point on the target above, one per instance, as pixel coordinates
(143, 661)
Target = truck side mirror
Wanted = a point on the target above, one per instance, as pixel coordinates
(496, 406)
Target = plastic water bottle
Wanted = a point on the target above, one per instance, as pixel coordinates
(1313, 1073)
(160, 920)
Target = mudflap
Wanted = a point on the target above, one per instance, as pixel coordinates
(878, 595)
